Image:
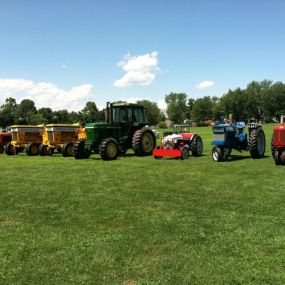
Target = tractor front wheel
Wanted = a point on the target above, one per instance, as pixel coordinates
(143, 142)
(32, 149)
(226, 153)
(217, 154)
(276, 157)
(1, 148)
(67, 149)
(197, 146)
(109, 149)
(257, 143)
(79, 150)
(184, 153)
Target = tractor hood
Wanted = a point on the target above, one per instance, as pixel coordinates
(98, 124)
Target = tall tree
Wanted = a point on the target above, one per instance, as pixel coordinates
(202, 109)
(8, 112)
(25, 109)
(177, 109)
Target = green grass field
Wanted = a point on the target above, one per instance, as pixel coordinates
(142, 221)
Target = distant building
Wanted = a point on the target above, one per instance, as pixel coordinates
(168, 123)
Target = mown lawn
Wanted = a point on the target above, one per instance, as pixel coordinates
(142, 221)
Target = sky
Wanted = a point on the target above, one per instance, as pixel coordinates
(63, 53)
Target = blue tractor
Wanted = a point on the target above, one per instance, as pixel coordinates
(232, 136)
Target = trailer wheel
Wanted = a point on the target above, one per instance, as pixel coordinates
(184, 153)
(197, 146)
(277, 157)
(109, 149)
(67, 149)
(256, 143)
(143, 142)
(10, 149)
(79, 150)
(44, 150)
(1, 148)
(32, 149)
(217, 154)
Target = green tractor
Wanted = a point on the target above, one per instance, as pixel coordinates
(125, 127)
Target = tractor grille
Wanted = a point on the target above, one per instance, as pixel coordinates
(219, 137)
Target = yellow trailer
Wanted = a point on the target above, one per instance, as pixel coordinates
(60, 137)
(26, 137)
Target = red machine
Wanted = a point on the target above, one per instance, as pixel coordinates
(4, 139)
(278, 143)
(179, 143)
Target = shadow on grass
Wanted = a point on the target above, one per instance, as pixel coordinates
(241, 157)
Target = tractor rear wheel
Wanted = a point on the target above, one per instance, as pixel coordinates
(79, 150)
(32, 149)
(1, 148)
(10, 149)
(143, 142)
(276, 157)
(109, 149)
(67, 149)
(217, 154)
(184, 153)
(44, 150)
(197, 146)
(226, 153)
(256, 143)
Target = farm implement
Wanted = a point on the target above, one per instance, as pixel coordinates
(179, 143)
(232, 136)
(125, 127)
(278, 143)
(60, 137)
(25, 137)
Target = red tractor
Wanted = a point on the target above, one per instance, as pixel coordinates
(5, 138)
(179, 143)
(278, 143)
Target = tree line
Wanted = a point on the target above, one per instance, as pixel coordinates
(260, 100)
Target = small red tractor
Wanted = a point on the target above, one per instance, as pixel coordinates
(5, 138)
(179, 143)
(278, 143)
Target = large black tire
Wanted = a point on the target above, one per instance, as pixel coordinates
(217, 154)
(184, 153)
(10, 149)
(257, 143)
(79, 150)
(1, 149)
(197, 146)
(143, 142)
(44, 150)
(109, 149)
(32, 149)
(67, 149)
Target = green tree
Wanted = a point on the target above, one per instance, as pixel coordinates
(202, 109)
(90, 113)
(8, 112)
(177, 109)
(25, 109)
(153, 113)
(46, 113)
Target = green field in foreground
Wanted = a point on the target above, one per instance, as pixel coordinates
(138, 220)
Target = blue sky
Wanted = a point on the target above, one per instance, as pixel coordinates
(63, 53)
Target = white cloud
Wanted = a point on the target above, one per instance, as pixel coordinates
(161, 104)
(63, 66)
(139, 69)
(45, 94)
(204, 85)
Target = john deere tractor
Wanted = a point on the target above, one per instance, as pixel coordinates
(232, 136)
(125, 127)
